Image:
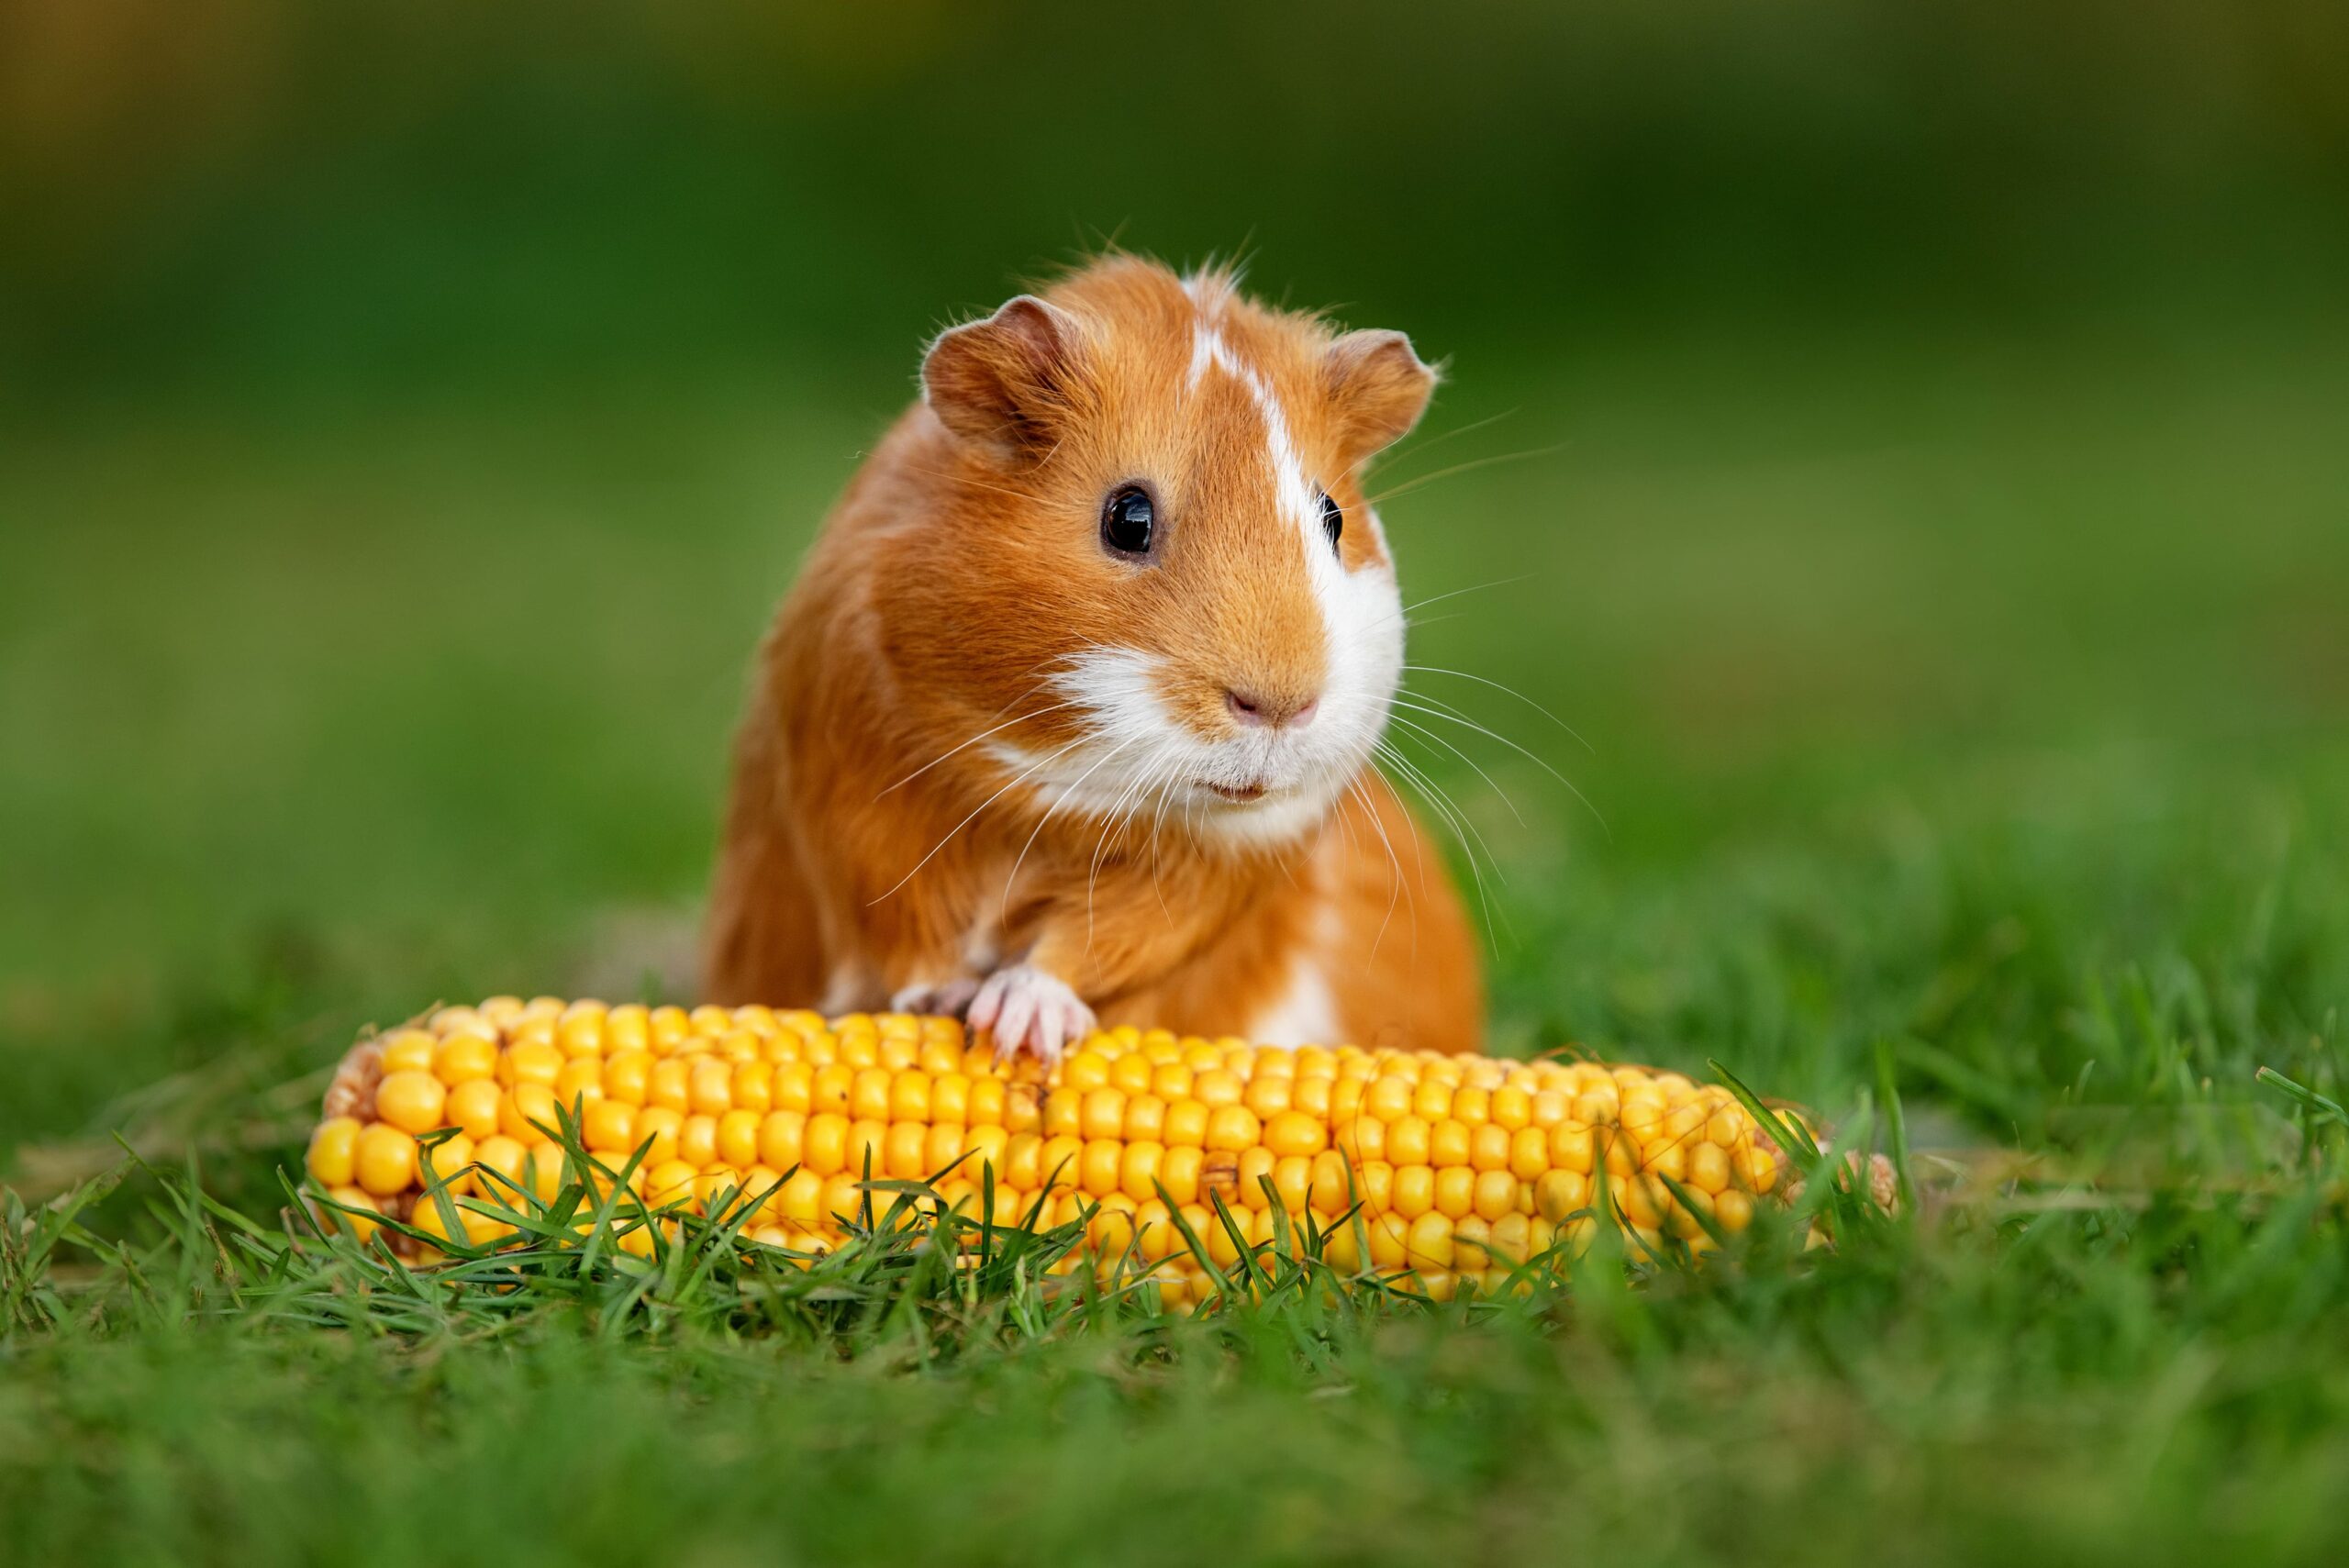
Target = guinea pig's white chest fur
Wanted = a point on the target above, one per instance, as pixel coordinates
(1110, 608)
(1304, 1011)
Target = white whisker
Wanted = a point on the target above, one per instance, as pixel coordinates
(1423, 446)
(973, 740)
(1395, 864)
(1416, 727)
(1463, 830)
(1512, 691)
(1165, 798)
(1110, 820)
(1403, 612)
(1014, 875)
(1425, 479)
(1447, 804)
(982, 805)
(1529, 756)
(1472, 588)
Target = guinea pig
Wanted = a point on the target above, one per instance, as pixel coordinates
(1071, 715)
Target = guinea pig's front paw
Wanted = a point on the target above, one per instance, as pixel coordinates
(951, 997)
(1028, 1010)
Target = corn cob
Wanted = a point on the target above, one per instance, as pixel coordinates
(1455, 1168)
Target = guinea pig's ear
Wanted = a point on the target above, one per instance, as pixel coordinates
(1378, 388)
(1001, 380)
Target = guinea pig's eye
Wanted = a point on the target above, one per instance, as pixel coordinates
(1129, 518)
(1334, 520)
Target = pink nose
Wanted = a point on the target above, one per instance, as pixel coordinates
(1255, 708)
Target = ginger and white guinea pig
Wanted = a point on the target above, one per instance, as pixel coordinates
(1071, 715)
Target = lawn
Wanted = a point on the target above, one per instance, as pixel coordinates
(1964, 707)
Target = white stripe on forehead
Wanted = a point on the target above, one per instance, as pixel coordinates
(1298, 498)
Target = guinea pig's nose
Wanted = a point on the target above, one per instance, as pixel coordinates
(1253, 708)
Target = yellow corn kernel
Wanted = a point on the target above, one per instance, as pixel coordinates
(1412, 1191)
(1186, 1125)
(1456, 1191)
(1100, 1167)
(737, 1138)
(1233, 1128)
(470, 1229)
(670, 1182)
(333, 1158)
(629, 1027)
(579, 1082)
(657, 1131)
(1428, 1244)
(670, 1028)
(461, 1022)
(363, 1224)
(531, 1062)
(1141, 1170)
(462, 1058)
(1732, 1210)
(581, 1033)
(801, 1200)
(710, 1086)
(410, 1050)
(1756, 1169)
(697, 1141)
(505, 1156)
(384, 1161)
(824, 1143)
(1560, 1193)
(844, 1197)
(627, 1076)
(473, 1105)
(1292, 1181)
(448, 1162)
(865, 1154)
(1668, 1160)
(411, 1100)
(528, 1112)
(781, 1139)
(1495, 1195)
(608, 1127)
(1528, 1152)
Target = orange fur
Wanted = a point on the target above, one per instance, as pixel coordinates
(900, 820)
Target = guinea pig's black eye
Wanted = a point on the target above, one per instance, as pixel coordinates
(1128, 520)
(1334, 520)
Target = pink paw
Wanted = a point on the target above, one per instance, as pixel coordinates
(1027, 1009)
(950, 997)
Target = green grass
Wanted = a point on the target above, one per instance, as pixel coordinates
(1971, 709)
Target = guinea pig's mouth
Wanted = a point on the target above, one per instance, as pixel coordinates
(1239, 794)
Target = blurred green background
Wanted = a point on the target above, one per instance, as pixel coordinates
(1926, 483)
